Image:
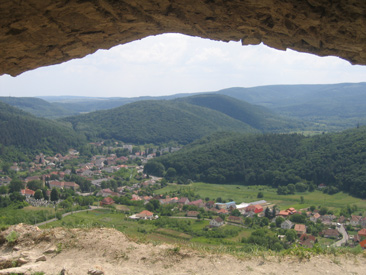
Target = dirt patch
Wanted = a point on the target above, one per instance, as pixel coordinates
(80, 250)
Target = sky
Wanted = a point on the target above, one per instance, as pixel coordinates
(174, 63)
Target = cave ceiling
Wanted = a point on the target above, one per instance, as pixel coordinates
(35, 33)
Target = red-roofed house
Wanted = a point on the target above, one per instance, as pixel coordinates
(183, 201)
(300, 229)
(362, 232)
(258, 208)
(145, 214)
(363, 244)
(27, 192)
(223, 211)
(198, 203)
(192, 213)
(106, 201)
(283, 213)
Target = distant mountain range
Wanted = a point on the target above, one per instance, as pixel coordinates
(332, 107)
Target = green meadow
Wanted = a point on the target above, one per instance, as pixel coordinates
(241, 193)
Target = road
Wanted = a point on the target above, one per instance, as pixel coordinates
(345, 237)
(69, 213)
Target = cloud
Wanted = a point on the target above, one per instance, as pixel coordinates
(173, 63)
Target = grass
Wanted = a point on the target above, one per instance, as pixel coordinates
(240, 193)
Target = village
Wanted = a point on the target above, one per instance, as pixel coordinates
(109, 180)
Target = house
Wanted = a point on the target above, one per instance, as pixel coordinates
(192, 213)
(363, 222)
(300, 229)
(362, 232)
(217, 222)
(327, 219)
(330, 233)
(307, 240)
(63, 184)
(287, 224)
(355, 220)
(254, 208)
(291, 210)
(183, 201)
(145, 214)
(198, 203)
(363, 244)
(107, 192)
(28, 179)
(106, 201)
(5, 180)
(210, 204)
(283, 213)
(315, 217)
(235, 219)
(27, 192)
(222, 211)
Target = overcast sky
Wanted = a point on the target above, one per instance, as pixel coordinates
(173, 63)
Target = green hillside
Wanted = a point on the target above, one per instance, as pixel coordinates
(155, 122)
(24, 132)
(336, 106)
(37, 107)
(337, 160)
(256, 116)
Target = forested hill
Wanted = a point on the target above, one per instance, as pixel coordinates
(336, 106)
(155, 122)
(337, 160)
(37, 107)
(21, 130)
(256, 116)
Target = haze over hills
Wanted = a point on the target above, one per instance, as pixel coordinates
(155, 122)
(332, 107)
(37, 106)
(24, 132)
(339, 106)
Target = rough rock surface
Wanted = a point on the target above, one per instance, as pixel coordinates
(108, 251)
(36, 33)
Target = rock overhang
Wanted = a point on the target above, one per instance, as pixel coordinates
(39, 33)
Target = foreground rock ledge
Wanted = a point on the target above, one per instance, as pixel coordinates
(37, 33)
(108, 251)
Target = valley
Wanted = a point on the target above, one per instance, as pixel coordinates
(207, 172)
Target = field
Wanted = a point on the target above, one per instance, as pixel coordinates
(240, 193)
(147, 230)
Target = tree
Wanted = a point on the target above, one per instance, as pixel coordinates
(54, 195)
(260, 195)
(6, 167)
(302, 201)
(15, 185)
(171, 173)
(38, 194)
(279, 221)
(267, 213)
(35, 185)
(291, 235)
(235, 212)
(291, 188)
(312, 208)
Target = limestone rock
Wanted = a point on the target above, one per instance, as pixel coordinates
(96, 271)
(37, 33)
(22, 261)
(41, 258)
